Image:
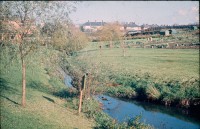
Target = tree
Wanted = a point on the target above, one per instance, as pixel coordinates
(21, 17)
(67, 38)
(77, 41)
(110, 32)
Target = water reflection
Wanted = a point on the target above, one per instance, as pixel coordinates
(159, 116)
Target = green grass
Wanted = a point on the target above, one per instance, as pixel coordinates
(39, 113)
(168, 76)
(44, 110)
(161, 74)
(49, 104)
(166, 63)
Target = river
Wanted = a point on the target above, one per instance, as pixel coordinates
(158, 116)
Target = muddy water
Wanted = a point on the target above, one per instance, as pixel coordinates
(160, 117)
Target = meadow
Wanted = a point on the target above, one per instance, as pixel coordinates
(164, 63)
(168, 76)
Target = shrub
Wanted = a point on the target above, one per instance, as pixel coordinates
(135, 123)
(90, 107)
(152, 92)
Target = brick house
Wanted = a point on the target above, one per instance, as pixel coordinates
(92, 26)
(132, 26)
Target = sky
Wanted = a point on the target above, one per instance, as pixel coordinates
(140, 12)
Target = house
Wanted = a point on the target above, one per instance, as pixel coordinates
(154, 25)
(151, 27)
(132, 33)
(132, 26)
(194, 28)
(164, 32)
(92, 26)
(145, 26)
(172, 31)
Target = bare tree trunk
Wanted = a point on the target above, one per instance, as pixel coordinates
(23, 84)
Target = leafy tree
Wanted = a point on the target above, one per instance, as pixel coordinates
(77, 41)
(48, 29)
(67, 38)
(110, 32)
(21, 17)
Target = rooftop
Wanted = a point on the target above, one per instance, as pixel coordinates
(94, 23)
(131, 24)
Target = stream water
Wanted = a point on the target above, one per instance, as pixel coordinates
(68, 80)
(159, 116)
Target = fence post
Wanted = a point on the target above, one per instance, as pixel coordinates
(81, 93)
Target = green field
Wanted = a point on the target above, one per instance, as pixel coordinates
(160, 63)
(50, 104)
(168, 76)
(164, 75)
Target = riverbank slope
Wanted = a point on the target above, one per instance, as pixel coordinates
(44, 108)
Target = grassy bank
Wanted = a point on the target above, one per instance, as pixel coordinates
(165, 76)
(49, 103)
(44, 109)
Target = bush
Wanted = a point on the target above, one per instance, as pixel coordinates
(135, 123)
(121, 91)
(90, 107)
(152, 92)
(105, 122)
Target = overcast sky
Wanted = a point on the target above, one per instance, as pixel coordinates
(148, 12)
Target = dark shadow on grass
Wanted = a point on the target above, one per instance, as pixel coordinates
(38, 86)
(10, 100)
(7, 87)
(3, 84)
(49, 99)
(66, 93)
